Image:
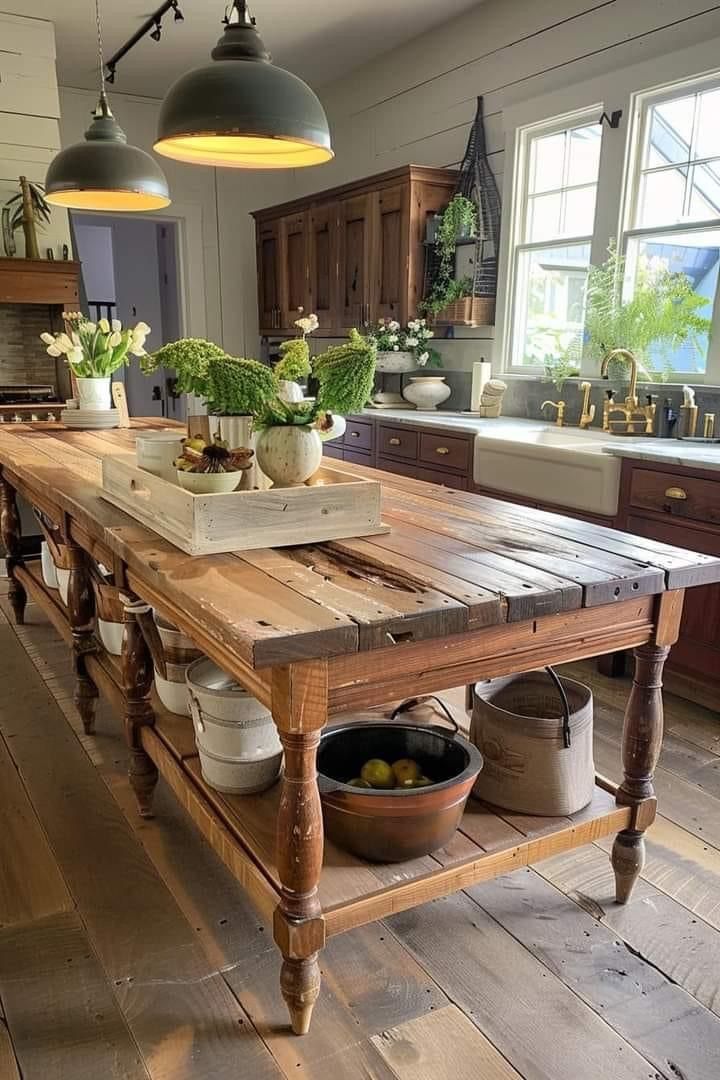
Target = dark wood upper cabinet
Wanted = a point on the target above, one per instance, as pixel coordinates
(268, 275)
(355, 218)
(294, 269)
(323, 264)
(391, 254)
(353, 254)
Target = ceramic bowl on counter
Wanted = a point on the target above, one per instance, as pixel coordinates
(240, 752)
(208, 483)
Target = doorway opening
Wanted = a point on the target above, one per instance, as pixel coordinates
(130, 271)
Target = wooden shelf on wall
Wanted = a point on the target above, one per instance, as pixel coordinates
(39, 281)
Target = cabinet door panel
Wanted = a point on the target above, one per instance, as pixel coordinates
(295, 267)
(390, 259)
(323, 259)
(698, 648)
(355, 225)
(268, 268)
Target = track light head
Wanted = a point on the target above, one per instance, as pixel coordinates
(157, 32)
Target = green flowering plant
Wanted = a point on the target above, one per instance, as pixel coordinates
(345, 375)
(229, 385)
(294, 363)
(95, 350)
(389, 336)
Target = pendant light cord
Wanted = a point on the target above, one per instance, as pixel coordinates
(98, 26)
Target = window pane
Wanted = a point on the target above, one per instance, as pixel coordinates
(544, 217)
(698, 256)
(707, 142)
(547, 163)
(550, 300)
(671, 128)
(705, 191)
(579, 211)
(661, 198)
(584, 155)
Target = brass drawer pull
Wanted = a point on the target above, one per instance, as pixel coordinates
(393, 442)
(676, 493)
(442, 450)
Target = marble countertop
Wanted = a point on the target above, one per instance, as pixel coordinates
(671, 451)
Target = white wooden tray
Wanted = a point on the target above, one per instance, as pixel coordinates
(334, 505)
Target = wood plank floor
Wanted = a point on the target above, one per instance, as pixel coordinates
(127, 951)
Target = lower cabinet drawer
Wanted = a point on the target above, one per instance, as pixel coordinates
(358, 435)
(676, 495)
(358, 457)
(446, 450)
(333, 450)
(419, 472)
(397, 442)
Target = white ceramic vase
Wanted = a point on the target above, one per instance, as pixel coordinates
(238, 431)
(427, 391)
(391, 362)
(289, 454)
(290, 392)
(94, 394)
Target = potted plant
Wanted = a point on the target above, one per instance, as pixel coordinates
(458, 222)
(403, 348)
(233, 389)
(289, 444)
(93, 352)
(27, 210)
(663, 312)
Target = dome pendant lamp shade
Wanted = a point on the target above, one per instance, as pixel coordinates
(105, 173)
(241, 110)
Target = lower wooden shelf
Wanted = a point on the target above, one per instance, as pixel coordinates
(241, 828)
(353, 892)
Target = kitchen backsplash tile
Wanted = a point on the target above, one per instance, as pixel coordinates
(23, 358)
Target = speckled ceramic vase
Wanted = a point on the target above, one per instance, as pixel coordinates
(289, 454)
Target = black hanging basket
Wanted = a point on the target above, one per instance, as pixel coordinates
(477, 183)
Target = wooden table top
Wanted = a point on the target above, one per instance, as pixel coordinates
(452, 562)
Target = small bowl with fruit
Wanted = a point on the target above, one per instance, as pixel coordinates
(207, 468)
(391, 791)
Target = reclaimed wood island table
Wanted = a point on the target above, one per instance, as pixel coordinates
(461, 588)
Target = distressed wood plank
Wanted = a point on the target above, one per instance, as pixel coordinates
(530, 1016)
(31, 885)
(443, 1043)
(64, 1019)
(645, 1007)
(162, 981)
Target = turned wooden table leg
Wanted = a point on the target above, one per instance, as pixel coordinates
(11, 532)
(81, 613)
(642, 740)
(137, 675)
(299, 700)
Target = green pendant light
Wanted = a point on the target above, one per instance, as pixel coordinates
(241, 110)
(104, 172)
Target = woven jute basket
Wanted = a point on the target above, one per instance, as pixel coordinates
(536, 735)
(469, 311)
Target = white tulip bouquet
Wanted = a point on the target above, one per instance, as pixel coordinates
(96, 350)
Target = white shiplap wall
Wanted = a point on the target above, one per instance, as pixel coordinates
(29, 115)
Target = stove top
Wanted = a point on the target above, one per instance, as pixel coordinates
(27, 394)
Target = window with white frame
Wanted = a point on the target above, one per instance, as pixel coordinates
(554, 222)
(651, 187)
(673, 203)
